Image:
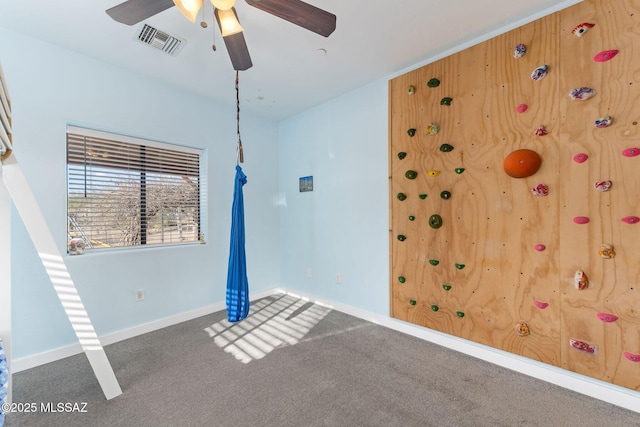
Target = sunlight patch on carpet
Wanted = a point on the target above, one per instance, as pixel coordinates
(275, 321)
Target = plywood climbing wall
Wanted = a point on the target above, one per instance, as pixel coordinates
(503, 256)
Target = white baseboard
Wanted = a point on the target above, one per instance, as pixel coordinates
(597, 389)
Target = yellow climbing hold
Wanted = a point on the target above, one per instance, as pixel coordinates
(433, 172)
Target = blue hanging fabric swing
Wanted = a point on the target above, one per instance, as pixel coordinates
(237, 282)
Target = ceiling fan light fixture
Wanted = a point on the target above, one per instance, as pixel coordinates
(189, 8)
(223, 4)
(229, 24)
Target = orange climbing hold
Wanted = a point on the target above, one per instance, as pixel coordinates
(522, 163)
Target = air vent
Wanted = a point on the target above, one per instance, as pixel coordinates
(160, 40)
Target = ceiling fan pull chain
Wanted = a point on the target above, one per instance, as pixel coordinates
(240, 152)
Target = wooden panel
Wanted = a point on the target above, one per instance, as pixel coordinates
(492, 222)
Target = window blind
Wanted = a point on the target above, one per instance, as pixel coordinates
(131, 192)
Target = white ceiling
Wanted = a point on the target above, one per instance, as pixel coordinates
(374, 39)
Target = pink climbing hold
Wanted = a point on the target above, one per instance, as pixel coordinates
(580, 157)
(631, 152)
(521, 108)
(606, 317)
(630, 219)
(541, 131)
(539, 247)
(540, 190)
(583, 346)
(541, 305)
(631, 356)
(580, 219)
(605, 55)
(603, 186)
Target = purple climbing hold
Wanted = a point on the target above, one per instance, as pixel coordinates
(539, 73)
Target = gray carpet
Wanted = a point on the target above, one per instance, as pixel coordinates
(293, 363)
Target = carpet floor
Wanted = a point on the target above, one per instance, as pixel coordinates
(294, 363)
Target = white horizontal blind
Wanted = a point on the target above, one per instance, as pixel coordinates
(124, 193)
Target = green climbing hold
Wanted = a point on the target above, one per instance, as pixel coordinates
(402, 155)
(411, 174)
(411, 132)
(446, 101)
(435, 221)
(411, 90)
(401, 279)
(435, 307)
(412, 218)
(433, 82)
(401, 196)
(402, 238)
(422, 196)
(412, 302)
(434, 262)
(445, 195)
(459, 266)
(460, 314)
(445, 148)
(459, 170)
(446, 287)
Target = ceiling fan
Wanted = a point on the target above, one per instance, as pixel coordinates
(297, 12)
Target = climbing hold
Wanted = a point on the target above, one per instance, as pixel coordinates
(460, 314)
(401, 279)
(432, 128)
(460, 266)
(519, 51)
(433, 82)
(446, 101)
(580, 219)
(580, 280)
(541, 131)
(631, 152)
(580, 157)
(435, 221)
(522, 163)
(412, 218)
(458, 170)
(603, 185)
(422, 196)
(539, 73)
(631, 356)
(402, 238)
(445, 195)
(603, 122)
(401, 196)
(630, 219)
(580, 29)
(583, 346)
(433, 172)
(411, 90)
(445, 148)
(541, 305)
(582, 93)
(411, 132)
(606, 251)
(434, 262)
(606, 317)
(446, 287)
(410, 174)
(539, 247)
(521, 108)
(402, 155)
(540, 190)
(522, 329)
(605, 55)
(435, 307)
(412, 302)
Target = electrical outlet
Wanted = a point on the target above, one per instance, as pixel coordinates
(139, 294)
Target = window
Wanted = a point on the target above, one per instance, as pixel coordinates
(129, 192)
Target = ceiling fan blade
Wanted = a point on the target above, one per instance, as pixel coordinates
(299, 13)
(237, 47)
(133, 11)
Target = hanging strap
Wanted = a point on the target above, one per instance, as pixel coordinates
(240, 158)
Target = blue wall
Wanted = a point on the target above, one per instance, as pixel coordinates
(50, 88)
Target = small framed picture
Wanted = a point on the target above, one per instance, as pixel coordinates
(306, 183)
